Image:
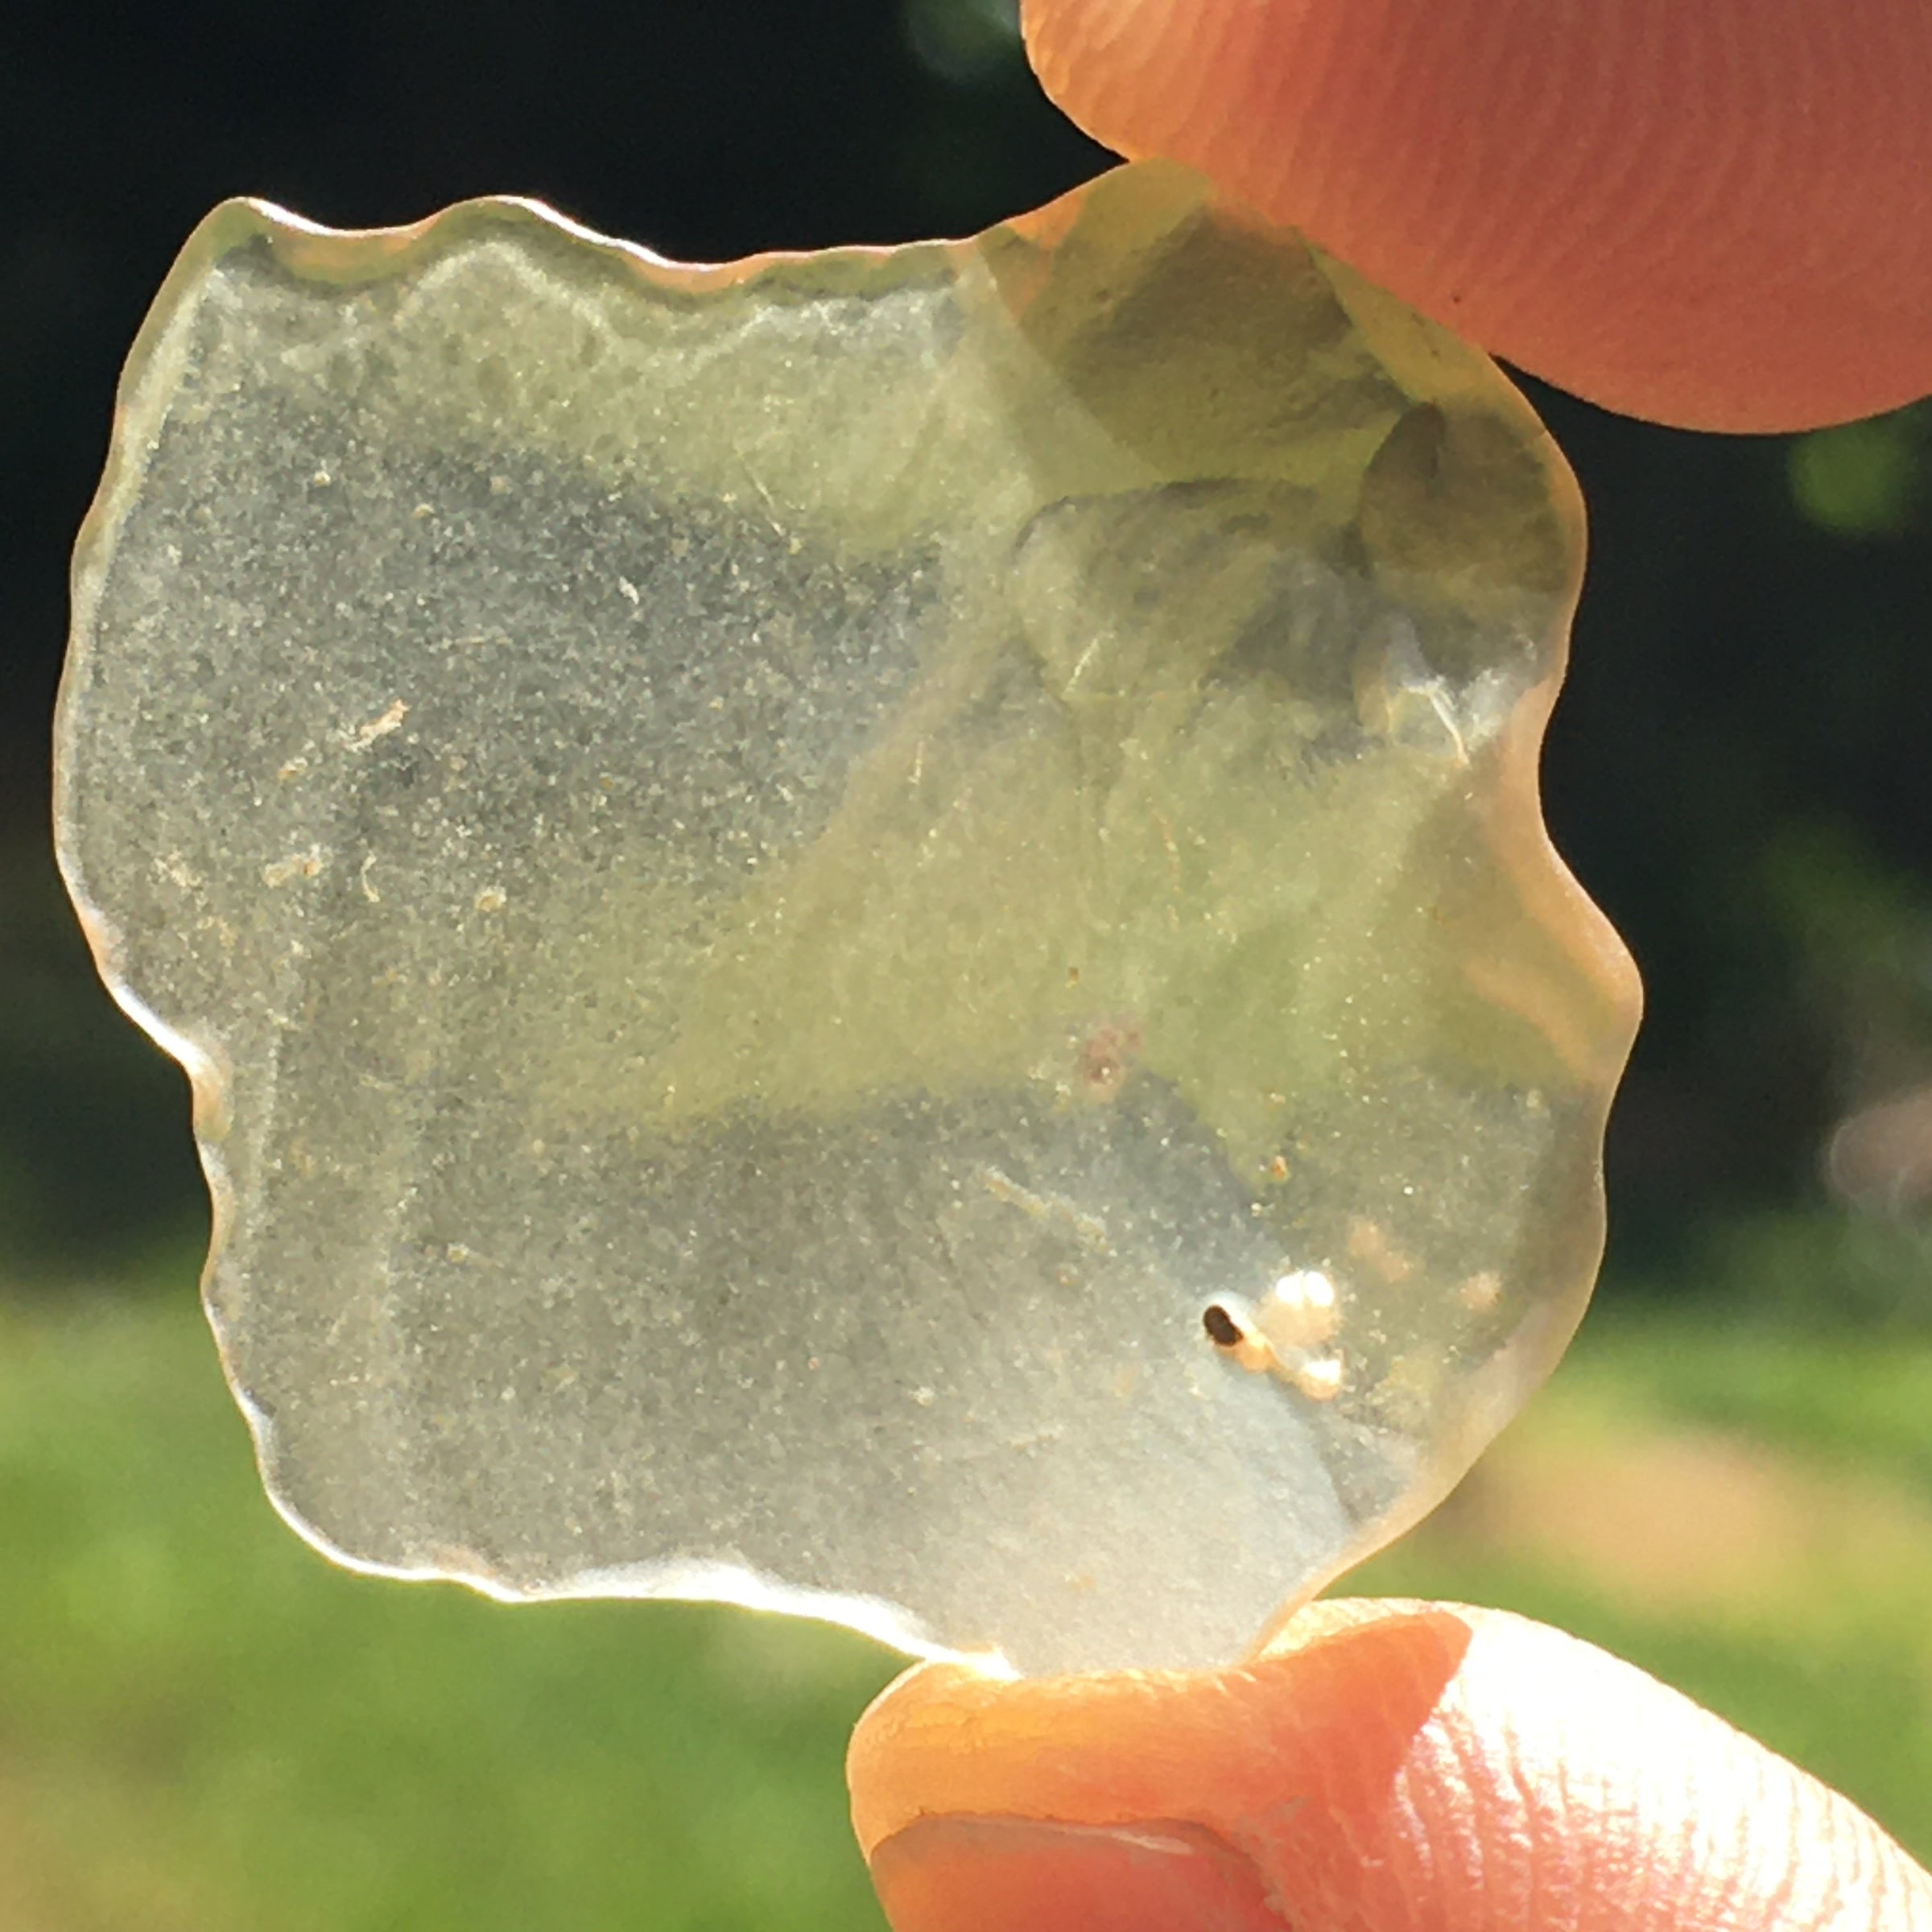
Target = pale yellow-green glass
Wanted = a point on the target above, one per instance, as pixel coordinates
(866, 931)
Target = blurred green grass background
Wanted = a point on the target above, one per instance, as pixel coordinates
(204, 1726)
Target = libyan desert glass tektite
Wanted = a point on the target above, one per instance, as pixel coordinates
(868, 931)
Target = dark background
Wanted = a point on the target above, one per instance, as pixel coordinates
(1739, 770)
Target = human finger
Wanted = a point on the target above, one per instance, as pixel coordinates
(1716, 213)
(1405, 1766)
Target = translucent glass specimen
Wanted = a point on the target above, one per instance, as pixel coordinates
(869, 932)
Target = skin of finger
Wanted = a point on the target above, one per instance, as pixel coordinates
(1717, 215)
(1407, 1767)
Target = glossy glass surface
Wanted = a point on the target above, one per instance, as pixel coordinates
(865, 931)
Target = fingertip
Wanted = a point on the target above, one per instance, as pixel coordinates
(1324, 1719)
(1420, 1768)
(1718, 216)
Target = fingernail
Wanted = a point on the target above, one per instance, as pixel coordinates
(1020, 1875)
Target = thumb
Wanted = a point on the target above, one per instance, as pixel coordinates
(1716, 213)
(1399, 1766)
